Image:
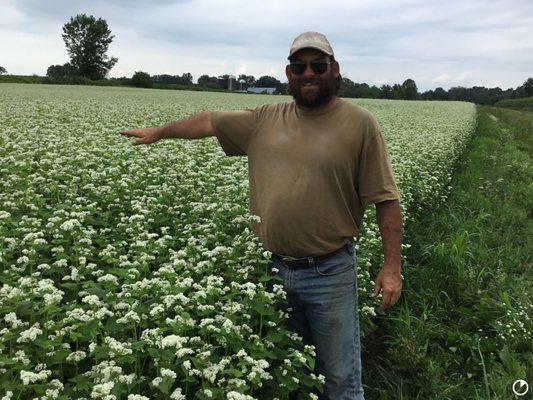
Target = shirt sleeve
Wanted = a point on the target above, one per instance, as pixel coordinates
(376, 177)
(234, 129)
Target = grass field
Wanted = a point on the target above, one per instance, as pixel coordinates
(463, 329)
(132, 271)
(525, 104)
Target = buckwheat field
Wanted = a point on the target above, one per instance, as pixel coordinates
(130, 272)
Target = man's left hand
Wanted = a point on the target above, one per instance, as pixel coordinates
(390, 281)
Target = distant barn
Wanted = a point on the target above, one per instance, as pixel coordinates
(261, 90)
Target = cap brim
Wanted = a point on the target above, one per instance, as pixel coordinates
(309, 47)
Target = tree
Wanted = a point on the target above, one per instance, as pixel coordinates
(60, 71)
(386, 92)
(2, 70)
(142, 79)
(248, 79)
(184, 79)
(281, 88)
(267, 81)
(397, 92)
(409, 90)
(208, 81)
(87, 40)
(270, 82)
(164, 78)
(528, 87)
(440, 94)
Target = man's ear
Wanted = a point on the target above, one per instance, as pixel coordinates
(287, 71)
(335, 68)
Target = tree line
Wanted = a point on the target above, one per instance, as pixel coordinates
(87, 40)
(409, 91)
(143, 79)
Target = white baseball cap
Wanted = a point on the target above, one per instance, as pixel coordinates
(313, 40)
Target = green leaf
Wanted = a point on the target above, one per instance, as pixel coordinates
(70, 286)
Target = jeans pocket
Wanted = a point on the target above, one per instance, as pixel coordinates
(330, 268)
(339, 263)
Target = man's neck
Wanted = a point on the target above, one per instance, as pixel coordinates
(324, 107)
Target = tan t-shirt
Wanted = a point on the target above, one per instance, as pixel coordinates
(311, 175)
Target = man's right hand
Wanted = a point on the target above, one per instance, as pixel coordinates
(145, 135)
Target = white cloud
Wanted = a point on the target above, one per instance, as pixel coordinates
(242, 69)
(464, 76)
(442, 78)
(396, 39)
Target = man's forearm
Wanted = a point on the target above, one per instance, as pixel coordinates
(195, 127)
(389, 219)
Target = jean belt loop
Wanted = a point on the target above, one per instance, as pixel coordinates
(349, 246)
(311, 261)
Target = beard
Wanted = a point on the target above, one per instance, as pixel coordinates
(327, 86)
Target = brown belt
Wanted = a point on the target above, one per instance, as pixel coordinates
(305, 262)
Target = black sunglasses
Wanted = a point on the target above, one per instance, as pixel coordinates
(318, 66)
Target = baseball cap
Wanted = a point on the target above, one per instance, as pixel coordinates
(314, 40)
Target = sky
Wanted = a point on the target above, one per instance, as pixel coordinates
(442, 43)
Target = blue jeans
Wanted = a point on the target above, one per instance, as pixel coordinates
(324, 312)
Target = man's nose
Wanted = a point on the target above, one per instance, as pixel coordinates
(308, 73)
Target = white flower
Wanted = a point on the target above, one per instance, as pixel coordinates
(127, 379)
(9, 393)
(117, 347)
(102, 390)
(130, 316)
(369, 310)
(30, 334)
(177, 395)
(23, 260)
(238, 396)
(92, 300)
(28, 377)
(11, 318)
(173, 341)
(167, 373)
(70, 224)
(109, 278)
(76, 356)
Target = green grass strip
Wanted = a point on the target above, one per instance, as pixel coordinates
(463, 327)
(517, 104)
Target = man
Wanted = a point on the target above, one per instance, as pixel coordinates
(315, 164)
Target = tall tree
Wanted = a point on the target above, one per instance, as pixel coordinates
(186, 78)
(528, 87)
(267, 81)
(440, 94)
(87, 40)
(2, 70)
(248, 79)
(142, 79)
(386, 92)
(409, 90)
(59, 71)
(208, 81)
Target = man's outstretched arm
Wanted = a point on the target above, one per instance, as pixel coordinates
(389, 278)
(196, 127)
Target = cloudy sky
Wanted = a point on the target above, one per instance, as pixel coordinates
(436, 43)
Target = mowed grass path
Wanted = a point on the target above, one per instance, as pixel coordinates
(463, 328)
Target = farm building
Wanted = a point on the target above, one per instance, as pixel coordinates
(227, 82)
(264, 90)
